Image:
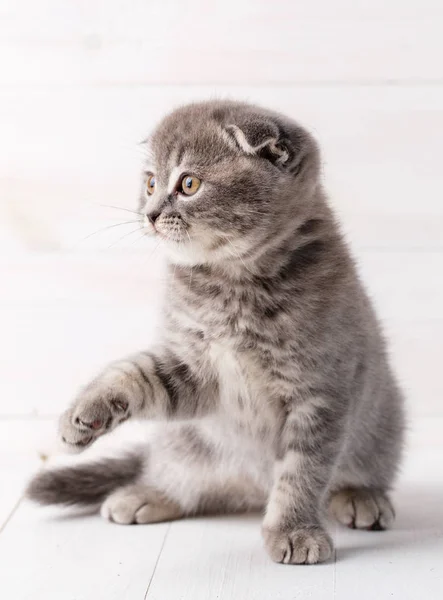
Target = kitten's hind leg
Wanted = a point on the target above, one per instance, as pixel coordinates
(192, 468)
(362, 508)
(149, 471)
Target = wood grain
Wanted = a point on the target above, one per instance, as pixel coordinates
(155, 42)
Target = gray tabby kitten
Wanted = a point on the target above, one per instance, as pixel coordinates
(271, 387)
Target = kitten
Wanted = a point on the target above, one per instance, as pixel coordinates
(271, 387)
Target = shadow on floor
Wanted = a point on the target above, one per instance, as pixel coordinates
(418, 526)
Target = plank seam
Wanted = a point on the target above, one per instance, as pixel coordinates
(156, 562)
(390, 82)
(11, 514)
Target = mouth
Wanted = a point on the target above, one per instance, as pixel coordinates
(171, 238)
(177, 235)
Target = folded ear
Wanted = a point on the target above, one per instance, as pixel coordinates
(260, 138)
(281, 143)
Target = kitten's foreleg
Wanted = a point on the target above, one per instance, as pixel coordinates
(309, 447)
(145, 385)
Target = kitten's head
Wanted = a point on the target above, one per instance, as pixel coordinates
(225, 179)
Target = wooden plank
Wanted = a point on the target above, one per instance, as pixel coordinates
(381, 152)
(404, 285)
(20, 443)
(87, 309)
(237, 42)
(415, 349)
(21, 15)
(12, 484)
(223, 558)
(85, 558)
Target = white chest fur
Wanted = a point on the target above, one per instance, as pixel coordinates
(232, 376)
(242, 388)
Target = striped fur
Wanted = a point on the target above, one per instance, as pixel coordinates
(86, 484)
(267, 331)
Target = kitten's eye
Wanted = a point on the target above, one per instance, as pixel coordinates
(190, 184)
(150, 184)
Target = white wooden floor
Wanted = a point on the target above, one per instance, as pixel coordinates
(55, 555)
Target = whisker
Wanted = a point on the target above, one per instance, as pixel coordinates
(135, 212)
(106, 228)
(123, 236)
(189, 237)
(154, 250)
(138, 239)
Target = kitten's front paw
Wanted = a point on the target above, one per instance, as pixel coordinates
(95, 412)
(299, 546)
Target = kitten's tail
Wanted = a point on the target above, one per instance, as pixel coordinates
(84, 484)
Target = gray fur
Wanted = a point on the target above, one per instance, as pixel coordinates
(267, 330)
(86, 484)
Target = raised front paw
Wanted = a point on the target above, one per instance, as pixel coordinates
(304, 546)
(96, 411)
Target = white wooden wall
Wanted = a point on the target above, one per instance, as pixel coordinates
(83, 81)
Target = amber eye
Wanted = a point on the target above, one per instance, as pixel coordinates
(190, 184)
(150, 184)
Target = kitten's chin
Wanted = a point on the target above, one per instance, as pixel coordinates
(186, 254)
(193, 253)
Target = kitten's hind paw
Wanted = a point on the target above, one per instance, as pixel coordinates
(361, 508)
(137, 504)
